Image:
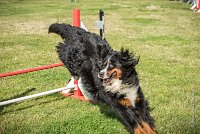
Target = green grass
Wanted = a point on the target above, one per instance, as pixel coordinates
(164, 33)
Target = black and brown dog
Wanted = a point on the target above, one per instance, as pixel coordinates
(120, 80)
(105, 73)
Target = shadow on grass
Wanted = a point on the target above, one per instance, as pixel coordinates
(107, 111)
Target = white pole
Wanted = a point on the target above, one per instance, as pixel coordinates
(35, 95)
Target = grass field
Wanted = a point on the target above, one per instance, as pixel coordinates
(166, 35)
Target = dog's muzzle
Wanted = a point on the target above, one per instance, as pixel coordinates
(107, 77)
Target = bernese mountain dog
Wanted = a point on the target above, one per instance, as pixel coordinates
(110, 76)
(121, 81)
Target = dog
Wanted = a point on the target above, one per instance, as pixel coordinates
(120, 80)
(83, 53)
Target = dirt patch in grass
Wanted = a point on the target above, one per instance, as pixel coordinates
(153, 7)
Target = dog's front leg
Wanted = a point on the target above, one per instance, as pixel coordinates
(126, 115)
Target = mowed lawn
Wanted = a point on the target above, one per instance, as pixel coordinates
(165, 34)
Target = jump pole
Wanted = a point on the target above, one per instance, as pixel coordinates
(100, 23)
(79, 92)
(30, 70)
(34, 95)
(198, 6)
(76, 21)
(101, 20)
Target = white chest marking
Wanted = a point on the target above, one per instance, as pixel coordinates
(116, 86)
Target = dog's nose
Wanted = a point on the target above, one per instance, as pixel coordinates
(101, 74)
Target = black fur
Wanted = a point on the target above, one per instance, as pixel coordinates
(83, 54)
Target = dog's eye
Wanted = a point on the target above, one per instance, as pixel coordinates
(112, 63)
(111, 66)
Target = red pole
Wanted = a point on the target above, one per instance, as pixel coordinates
(78, 91)
(76, 21)
(30, 70)
(198, 5)
(76, 18)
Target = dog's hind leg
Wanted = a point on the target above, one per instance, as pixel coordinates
(88, 95)
(89, 85)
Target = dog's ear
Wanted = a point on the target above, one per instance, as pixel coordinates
(128, 58)
(133, 61)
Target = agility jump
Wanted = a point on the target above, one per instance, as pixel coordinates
(78, 92)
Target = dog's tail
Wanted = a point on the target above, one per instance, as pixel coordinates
(64, 30)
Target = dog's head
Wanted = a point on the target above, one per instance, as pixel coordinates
(118, 65)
